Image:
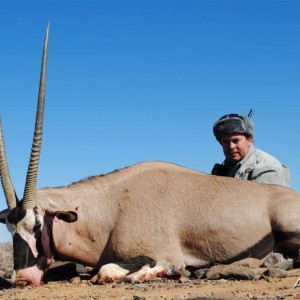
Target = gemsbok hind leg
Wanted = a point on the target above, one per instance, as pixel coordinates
(285, 222)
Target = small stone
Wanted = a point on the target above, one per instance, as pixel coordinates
(276, 273)
(249, 262)
(237, 272)
(214, 272)
(293, 273)
(186, 273)
(273, 259)
(199, 274)
(285, 265)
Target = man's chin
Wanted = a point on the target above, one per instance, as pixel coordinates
(234, 159)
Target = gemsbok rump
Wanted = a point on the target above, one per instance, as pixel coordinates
(168, 214)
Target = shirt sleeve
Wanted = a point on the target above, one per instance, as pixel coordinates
(272, 175)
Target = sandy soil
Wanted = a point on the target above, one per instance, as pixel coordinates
(264, 288)
(194, 289)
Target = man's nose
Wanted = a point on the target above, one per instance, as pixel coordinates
(231, 145)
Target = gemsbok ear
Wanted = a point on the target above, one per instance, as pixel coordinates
(3, 215)
(66, 216)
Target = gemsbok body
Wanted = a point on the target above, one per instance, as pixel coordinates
(172, 216)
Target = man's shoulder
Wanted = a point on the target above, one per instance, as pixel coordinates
(265, 157)
(268, 169)
(264, 160)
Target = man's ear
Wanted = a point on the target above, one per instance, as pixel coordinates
(66, 216)
(250, 139)
(3, 215)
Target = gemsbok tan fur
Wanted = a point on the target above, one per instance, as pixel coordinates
(156, 212)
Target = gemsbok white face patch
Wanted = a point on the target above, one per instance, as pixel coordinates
(25, 228)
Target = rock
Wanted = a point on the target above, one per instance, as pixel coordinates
(276, 273)
(276, 260)
(186, 273)
(199, 274)
(273, 259)
(259, 271)
(183, 279)
(248, 263)
(285, 265)
(138, 298)
(293, 273)
(237, 272)
(214, 272)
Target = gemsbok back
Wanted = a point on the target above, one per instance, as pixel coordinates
(168, 215)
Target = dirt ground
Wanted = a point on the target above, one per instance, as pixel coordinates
(267, 288)
(264, 288)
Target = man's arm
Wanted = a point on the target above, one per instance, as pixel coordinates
(272, 175)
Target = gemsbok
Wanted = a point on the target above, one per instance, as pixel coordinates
(156, 212)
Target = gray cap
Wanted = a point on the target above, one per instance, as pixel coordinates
(233, 124)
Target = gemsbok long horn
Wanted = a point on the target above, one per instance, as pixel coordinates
(7, 185)
(29, 199)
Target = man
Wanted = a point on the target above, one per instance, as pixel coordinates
(242, 160)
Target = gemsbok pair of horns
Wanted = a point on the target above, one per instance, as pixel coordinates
(29, 198)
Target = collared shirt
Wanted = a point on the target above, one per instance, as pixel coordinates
(258, 166)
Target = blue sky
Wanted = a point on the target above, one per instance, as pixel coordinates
(132, 81)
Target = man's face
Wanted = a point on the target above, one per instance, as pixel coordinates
(235, 147)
